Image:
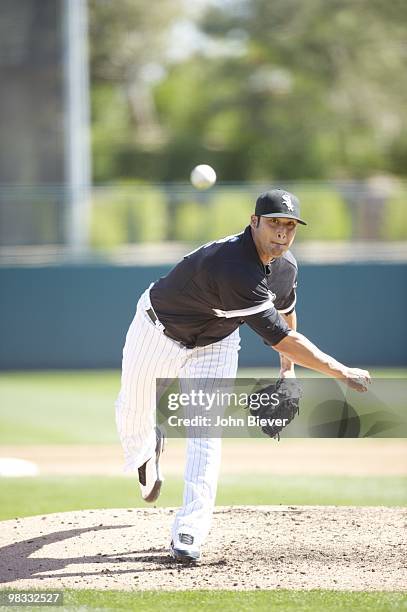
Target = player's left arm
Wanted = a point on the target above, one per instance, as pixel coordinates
(286, 365)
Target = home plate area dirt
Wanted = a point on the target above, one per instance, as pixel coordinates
(249, 547)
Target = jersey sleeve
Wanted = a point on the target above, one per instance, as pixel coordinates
(288, 306)
(269, 325)
(284, 283)
(251, 303)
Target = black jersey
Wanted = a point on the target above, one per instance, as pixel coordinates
(221, 285)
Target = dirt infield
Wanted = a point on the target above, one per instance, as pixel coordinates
(265, 547)
(356, 457)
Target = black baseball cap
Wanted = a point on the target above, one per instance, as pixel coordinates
(278, 203)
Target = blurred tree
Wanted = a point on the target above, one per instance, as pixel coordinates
(284, 89)
(320, 83)
(128, 42)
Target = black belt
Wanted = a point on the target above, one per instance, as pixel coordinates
(152, 315)
(155, 319)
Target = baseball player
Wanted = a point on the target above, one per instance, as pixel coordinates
(187, 326)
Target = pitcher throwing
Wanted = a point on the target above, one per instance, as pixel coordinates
(187, 326)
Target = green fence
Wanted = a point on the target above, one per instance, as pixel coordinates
(77, 316)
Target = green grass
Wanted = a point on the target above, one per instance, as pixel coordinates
(58, 407)
(71, 407)
(233, 601)
(46, 494)
(287, 601)
(63, 407)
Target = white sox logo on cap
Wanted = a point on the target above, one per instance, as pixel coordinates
(278, 203)
(287, 201)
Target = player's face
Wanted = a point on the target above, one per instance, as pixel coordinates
(273, 236)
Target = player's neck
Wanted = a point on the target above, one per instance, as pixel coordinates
(265, 259)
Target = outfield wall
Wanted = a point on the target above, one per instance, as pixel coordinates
(76, 316)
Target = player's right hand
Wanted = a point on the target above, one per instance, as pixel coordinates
(357, 379)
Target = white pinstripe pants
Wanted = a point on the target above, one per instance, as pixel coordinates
(147, 355)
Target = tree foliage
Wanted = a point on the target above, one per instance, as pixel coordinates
(290, 90)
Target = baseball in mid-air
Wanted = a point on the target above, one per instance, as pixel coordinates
(203, 176)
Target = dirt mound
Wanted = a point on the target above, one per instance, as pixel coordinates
(266, 547)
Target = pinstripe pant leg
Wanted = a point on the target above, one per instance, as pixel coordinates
(147, 355)
(216, 361)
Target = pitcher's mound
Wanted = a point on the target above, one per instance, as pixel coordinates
(250, 547)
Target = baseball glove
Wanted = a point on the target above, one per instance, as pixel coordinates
(276, 405)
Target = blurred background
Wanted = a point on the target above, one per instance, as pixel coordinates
(106, 106)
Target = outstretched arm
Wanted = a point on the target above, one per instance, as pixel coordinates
(296, 347)
(302, 351)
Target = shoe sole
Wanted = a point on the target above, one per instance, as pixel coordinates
(182, 556)
(154, 493)
(156, 490)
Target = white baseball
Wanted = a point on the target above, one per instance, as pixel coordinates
(203, 176)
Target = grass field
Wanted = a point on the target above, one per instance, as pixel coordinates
(77, 408)
(230, 601)
(287, 601)
(74, 407)
(43, 495)
(58, 407)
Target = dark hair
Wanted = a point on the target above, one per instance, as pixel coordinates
(258, 220)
